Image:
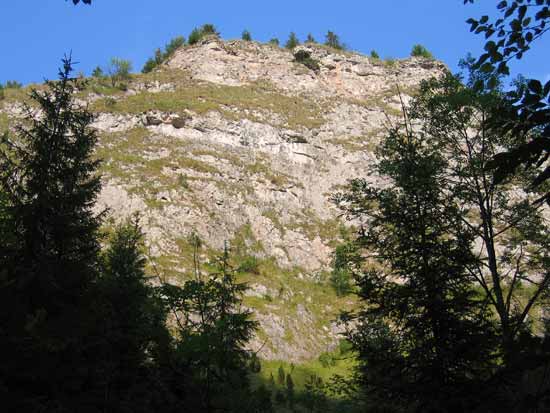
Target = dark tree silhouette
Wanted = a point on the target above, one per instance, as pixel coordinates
(49, 251)
(519, 24)
(422, 337)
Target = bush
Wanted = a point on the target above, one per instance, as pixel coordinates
(420, 51)
(310, 39)
(332, 40)
(119, 71)
(149, 65)
(344, 347)
(98, 73)
(304, 57)
(326, 360)
(341, 277)
(172, 46)
(374, 55)
(2, 95)
(274, 41)
(250, 265)
(246, 36)
(194, 36)
(292, 41)
(199, 32)
(160, 56)
(208, 28)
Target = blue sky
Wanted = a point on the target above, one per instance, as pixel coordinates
(35, 34)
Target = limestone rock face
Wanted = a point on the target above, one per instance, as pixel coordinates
(343, 74)
(241, 144)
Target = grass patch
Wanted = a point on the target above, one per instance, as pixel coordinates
(280, 180)
(202, 97)
(4, 122)
(343, 366)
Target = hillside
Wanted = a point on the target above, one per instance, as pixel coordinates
(241, 144)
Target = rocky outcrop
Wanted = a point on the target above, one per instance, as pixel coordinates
(250, 158)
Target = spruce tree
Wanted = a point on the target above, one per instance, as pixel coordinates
(246, 36)
(310, 39)
(49, 253)
(292, 41)
(333, 40)
(212, 331)
(424, 337)
(131, 320)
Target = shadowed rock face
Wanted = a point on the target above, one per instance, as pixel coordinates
(239, 143)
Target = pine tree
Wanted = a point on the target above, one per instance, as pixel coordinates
(98, 73)
(292, 41)
(332, 40)
(131, 321)
(49, 253)
(213, 330)
(246, 36)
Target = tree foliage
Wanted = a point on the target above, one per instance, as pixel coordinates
(199, 32)
(246, 36)
(519, 24)
(81, 326)
(292, 41)
(118, 71)
(212, 330)
(423, 332)
(310, 38)
(49, 251)
(512, 230)
(333, 40)
(160, 56)
(420, 51)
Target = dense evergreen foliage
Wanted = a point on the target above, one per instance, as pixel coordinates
(199, 32)
(246, 36)
(420, 51)
(292, 41)
(445, 329)
(82, 328)
(333, 40)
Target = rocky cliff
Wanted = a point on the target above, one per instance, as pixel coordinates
(242, 144)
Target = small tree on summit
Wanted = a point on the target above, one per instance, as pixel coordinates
(292, 41)
(199, 32)
(420, 51)
(333, 40)
(119, 71)
(246, 36)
